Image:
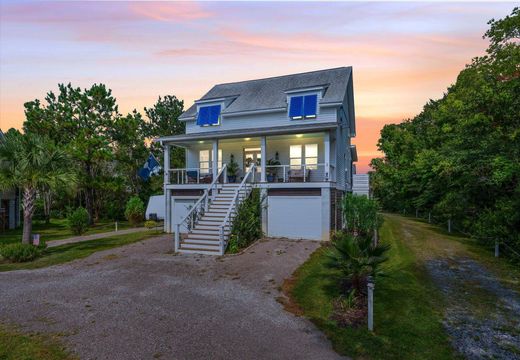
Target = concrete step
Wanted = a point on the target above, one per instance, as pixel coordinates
(215, 247)
(200, 241)
(192, 236)
(204, 232)
(199, 251)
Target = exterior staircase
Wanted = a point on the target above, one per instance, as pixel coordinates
(204, 237)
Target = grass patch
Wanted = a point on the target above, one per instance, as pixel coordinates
(58, 229)
(408, 307)
(15, 345)
(65, 253)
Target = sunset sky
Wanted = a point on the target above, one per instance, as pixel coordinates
(402, 53)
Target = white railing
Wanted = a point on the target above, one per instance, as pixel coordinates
(241, 193)
(299, 173)
(198, 210)
(184, 176)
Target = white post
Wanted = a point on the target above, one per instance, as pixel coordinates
(449, 225)
(167, 202)
(116, 226)
(177, 237)
(326, 151)
(429, 217)
(215, 159)
(370, 287)
(497, 249)
(263, 160)
(416, 213)
(376, 237)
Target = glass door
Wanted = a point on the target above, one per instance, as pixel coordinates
(252, 156)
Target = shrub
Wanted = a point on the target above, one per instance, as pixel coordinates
(360, 214)
(78, 221)
(150, 224)
(20, 252)
(134, 210)
(247, 226)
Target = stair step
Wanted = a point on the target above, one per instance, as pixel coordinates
(203, 236)
(199, 251)
(215, 247)
(214, 231)
(211, 227)
(200, 241)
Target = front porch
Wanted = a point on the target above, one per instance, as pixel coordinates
(281, 161)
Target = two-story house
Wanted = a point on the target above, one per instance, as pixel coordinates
(289, 136)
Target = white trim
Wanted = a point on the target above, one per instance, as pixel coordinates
(311, 89)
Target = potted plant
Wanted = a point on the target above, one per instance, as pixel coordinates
(271, 171)
(232, 169)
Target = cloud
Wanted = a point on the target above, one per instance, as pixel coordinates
(175, 12)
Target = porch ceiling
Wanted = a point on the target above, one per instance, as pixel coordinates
(279, 130)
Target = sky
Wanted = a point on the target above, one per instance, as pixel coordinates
(402, 53)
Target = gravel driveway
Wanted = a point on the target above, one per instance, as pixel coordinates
(142, 302)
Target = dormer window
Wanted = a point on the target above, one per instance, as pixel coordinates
(209, 115)
(303, 107)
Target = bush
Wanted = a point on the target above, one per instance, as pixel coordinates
(20, 252)
(247, 226)
(78, 221)
(360, 214)
(150, 224)
(134, 211)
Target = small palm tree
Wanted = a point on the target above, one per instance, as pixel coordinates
(32, 162)
(356, 258)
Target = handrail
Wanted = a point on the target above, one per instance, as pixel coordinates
(233, 206)
(194, 212)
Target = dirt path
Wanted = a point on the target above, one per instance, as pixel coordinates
(481, 316)
(76, 239)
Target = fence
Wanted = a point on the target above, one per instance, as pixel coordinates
(451, 226)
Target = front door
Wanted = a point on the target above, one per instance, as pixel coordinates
(252, 156)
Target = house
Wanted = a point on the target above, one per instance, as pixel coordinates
(290, 136)
(361, 184)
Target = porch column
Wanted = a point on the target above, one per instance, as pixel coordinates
(263, 160)
(214, 160)
(326, 151)
(167, 197)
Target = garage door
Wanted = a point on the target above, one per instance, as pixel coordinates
(294, 217)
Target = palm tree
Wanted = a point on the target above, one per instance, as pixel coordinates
(32, 162)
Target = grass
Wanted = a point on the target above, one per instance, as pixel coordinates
(408, 307)
(15, 345)
(65, 253)
(58, 229)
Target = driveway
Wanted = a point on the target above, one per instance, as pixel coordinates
(142, 302)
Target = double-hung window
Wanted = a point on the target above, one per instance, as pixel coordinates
(208, 115)
(205, 159)
(307, 154)
(303, 107)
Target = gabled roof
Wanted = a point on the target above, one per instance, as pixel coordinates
(270, 93)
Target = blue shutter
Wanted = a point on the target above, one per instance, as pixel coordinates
(208, 115)
(296, 107)
(310, 105)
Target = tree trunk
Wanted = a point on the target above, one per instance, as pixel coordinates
(29, 196)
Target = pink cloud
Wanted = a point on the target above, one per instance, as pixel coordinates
(177, 11)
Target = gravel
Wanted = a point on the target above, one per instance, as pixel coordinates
(482, 317)
(142, 302)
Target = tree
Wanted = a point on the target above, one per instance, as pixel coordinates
(32, 162)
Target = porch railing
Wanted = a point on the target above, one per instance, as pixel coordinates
(241, 193)
(198, 210)
(299, 173)
(194, 176)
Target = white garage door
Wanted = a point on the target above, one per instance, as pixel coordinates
(294, 217)
(180, 208)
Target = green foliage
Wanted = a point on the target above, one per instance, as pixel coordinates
(232, 167)
(360, 214)
(150, 224)
(78, 221)
(356, 258)
(134, 211)
(19, 252)
(247, 226)
(459, 157)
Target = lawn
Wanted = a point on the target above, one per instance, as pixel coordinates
(408, 307)
(65, 253)
(15, 345)
(57, 229)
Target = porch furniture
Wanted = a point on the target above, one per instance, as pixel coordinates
(298, 175)
(192, 177)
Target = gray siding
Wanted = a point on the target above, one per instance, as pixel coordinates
(268, 120)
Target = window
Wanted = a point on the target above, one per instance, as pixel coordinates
(311, 156)
(295, 156)
(209, 115)
(303, 107)
(205, 159)
(309, 153)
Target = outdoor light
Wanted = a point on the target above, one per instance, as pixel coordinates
(201, 142)
(247, 139)
(299, 135)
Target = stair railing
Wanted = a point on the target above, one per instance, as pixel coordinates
(198, 209)
(237, 199)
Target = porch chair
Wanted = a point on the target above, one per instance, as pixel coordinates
(297, 175)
